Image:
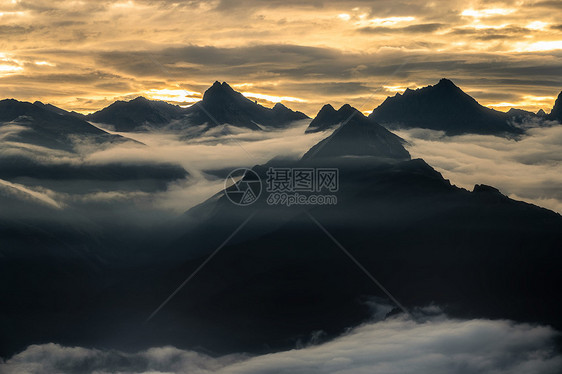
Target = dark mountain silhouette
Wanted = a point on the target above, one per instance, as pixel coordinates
(443, 107)
(556, 112)
(34, 124)
(223, 105)
(520, 114)
(58, 110)
(476, 253)
(220, 105)
(358, 136)
(541, 113)
(137, 115)
(26, 126)
(328, 118)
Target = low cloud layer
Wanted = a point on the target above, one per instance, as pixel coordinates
(437, 345)
(203, 158)
(529, 169)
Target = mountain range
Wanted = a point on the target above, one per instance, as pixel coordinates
(444, 107)
(47, 126)
(220, 105)
(42, 145)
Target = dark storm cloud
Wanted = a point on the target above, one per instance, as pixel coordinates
(294, 61)
(548, 4)
(14, 30)
(413, 29)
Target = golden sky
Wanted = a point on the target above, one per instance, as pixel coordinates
(83, 55)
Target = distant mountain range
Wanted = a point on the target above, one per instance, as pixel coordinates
(221, 105)
(48, 126)
(43, 145)
(443, 107)
(137, 114)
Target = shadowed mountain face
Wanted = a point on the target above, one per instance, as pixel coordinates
(220, 105)
(23, 122)
(358, 136)
(58, 110)
(443, 107)
(556, 113)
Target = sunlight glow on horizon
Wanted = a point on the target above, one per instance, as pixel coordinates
(487, 12)
(173, 95)
(93, 53)
(271, 98)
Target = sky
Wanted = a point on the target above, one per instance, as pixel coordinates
(82, 55)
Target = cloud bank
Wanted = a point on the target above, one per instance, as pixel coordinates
(435, 344)
(529, 169)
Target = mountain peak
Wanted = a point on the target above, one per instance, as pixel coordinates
(359, 136)
(219, 91)
(346, 108)
(227, 106)
(280, 107)
(443, 107)
(140, 99)
(446, 82)
(541, 113)
(327, 108)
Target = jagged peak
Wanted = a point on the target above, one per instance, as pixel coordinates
(218, 89)
(327, 108)
(279, 106)
(346, 108)
(139, 99)
(446, 82)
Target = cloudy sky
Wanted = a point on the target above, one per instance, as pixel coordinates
(83, 54)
